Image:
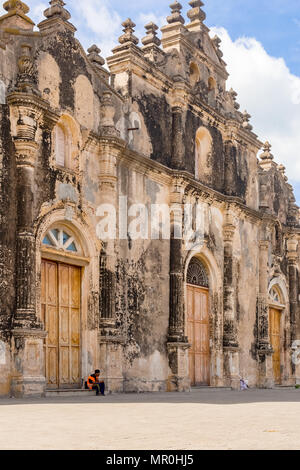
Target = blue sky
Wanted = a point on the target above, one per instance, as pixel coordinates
(261, 45)
(275, 23)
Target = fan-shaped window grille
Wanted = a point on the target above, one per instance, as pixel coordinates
(61, 240)
(196, 274)
(275, 295)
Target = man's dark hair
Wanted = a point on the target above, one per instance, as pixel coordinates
(97, 371)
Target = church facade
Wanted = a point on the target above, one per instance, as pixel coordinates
(87, 155)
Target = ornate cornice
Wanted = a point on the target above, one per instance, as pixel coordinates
(16, 98)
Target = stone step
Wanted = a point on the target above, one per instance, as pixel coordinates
(212, 389)
(285, 387)
(69, 393)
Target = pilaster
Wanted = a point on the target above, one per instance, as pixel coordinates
(111, 344)
(178, 345)
(230, 338)
(292, 256)
(264, 348)
(27, 111)
(178, 109)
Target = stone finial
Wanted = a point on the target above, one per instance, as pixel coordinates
(151, 38)
(56, 16)
(196, 14)
(16, 15)
(217, 43)
(246, 123)
(234, 95)
(27, 73)
(281, 169)
(266, 155)
(175, 16)
(94, 56)
(107, 113)
(128, 35)
(57, 9)
(16, 5)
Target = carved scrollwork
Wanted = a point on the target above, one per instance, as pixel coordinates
(196, 274)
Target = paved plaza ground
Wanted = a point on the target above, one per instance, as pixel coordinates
(202, 419)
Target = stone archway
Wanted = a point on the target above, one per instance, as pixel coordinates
(61, 294)
(277, 326)
(68, 289)
(202, 269)
(198, 323)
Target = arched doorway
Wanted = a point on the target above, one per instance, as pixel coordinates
(61, 278)
(276, 308)
(198, 323)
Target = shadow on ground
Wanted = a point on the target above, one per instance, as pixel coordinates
(195, 396)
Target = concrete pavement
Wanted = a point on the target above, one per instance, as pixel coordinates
(202, 419)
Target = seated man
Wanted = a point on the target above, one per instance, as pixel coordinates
(94, 383)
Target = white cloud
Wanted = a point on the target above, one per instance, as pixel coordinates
(99, 23)
(37, 12)
(270, 93)
(145, 18)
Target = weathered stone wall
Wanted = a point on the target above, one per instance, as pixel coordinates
(142, 303)
(159, 128)
(8, 260)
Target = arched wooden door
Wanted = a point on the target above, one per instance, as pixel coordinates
(198, 324)
(275, 320)
(61, 302)
(276, 308)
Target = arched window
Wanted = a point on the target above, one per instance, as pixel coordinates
(197, 275)
(194, 74)
(211, 84)
(66, 142)
(203, 149)
(2, 92)
(61, 239)
(61, 150)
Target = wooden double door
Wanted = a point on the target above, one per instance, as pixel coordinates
(61, 305)
(275, 321)
(199, 335)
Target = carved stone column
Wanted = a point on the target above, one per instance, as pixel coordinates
(178, 345)
(230, 338)
(178, 109)
(177, 138)
(292, 255)
(230, 152)
(264, 348)
(111, 344)
(28, 334)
